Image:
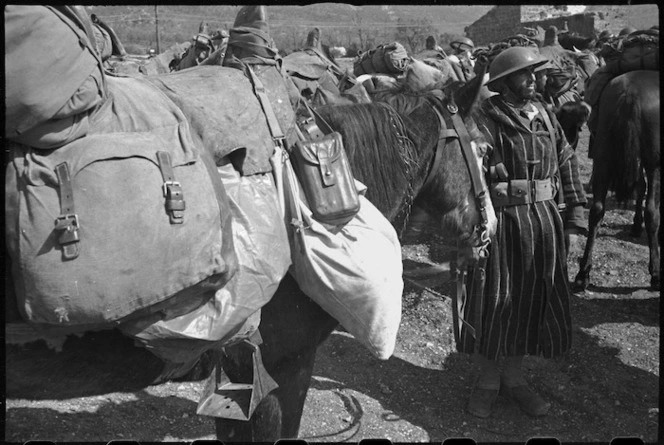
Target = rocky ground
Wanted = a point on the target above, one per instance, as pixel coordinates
(606, 387)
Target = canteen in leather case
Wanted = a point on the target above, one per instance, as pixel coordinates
(322, 167)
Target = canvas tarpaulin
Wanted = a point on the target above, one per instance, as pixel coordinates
(53, 77)
(263, 253)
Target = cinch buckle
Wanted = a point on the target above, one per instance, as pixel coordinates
(174, 203)
(68, 227)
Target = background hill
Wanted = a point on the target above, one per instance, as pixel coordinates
(341, 24)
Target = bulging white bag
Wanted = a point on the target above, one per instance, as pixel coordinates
(354, 271)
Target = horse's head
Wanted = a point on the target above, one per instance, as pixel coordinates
(452, 183)
(460, 173)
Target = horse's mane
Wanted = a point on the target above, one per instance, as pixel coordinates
(375, 134)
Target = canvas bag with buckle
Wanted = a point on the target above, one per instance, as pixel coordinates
(141, 217)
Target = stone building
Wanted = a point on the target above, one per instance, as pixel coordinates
(507, 20)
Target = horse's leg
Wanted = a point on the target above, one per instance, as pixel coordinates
(637, 225)
(292, 326)
(600, 190)
(652, 225)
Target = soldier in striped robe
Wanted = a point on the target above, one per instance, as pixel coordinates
(524, 306)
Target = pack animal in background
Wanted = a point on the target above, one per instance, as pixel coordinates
(636, 51)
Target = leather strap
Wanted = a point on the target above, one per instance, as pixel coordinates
(172, 189)
(315, 126)
(67, 222)
(118, 47)
(467, 150)
(549, 126)
(547, 121)
(272, 122)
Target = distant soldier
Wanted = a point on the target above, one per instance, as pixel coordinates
(463, 49)
(431, 50)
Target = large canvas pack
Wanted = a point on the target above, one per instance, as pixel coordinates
(131, 233)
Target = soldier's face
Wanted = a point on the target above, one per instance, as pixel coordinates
(522, 84)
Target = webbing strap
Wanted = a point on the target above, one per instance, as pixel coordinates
(67, 222)
(272, 122)
(549, 126)
(547, 121)
(172, 189)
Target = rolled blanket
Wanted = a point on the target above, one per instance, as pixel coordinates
(386, 59)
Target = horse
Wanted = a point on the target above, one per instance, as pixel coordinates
(415, 155)
(627, 159)
(377, 137)
(392, 152)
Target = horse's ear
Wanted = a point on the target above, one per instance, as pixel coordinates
(469, 95)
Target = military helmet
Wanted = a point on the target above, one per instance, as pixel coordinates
(513, 59)
(626, 31)
(606, 34)
(458, 42)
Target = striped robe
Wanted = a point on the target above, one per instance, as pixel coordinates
(525, 305)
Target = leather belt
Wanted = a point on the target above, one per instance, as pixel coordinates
(521, 191)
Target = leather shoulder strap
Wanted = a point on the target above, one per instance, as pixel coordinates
(259, 90)
(547, 121)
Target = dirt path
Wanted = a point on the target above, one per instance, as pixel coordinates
(607, 386)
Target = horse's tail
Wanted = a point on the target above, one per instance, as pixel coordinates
(625, 142)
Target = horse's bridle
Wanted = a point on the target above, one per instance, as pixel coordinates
(456, 128)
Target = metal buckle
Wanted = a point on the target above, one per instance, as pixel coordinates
(174, 201)
(280, 142)
(168, 188)
(68, 225)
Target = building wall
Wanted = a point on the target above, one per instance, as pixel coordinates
(583, 24)
(505, 21)
(497, 24)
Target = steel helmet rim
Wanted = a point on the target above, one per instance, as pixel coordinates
(536, 61)
(456, 43)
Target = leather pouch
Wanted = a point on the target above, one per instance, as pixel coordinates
(326, 178)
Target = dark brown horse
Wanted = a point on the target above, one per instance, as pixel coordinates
(392, 149)
(402, 151)
(627, 159)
